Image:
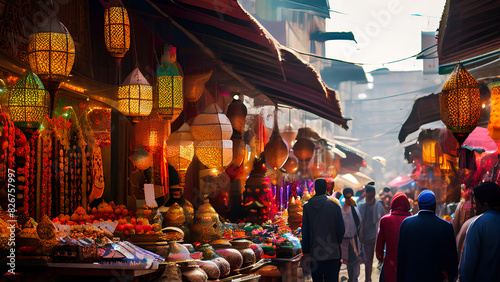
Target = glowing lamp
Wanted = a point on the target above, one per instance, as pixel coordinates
(237, 113)
(180, 150)
(211, 124)
(51, 50)
(169, 99)
(494, 124)
(276, 150)
(289, 135)
(135, 95)
(150, 132)
(292, 163)
(215, 154)
(459, 103)
(304, 149)
(141, 159)
(28, 102)
(116, 29)
(430, 154)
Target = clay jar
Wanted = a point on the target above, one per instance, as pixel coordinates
(258, 251)
(172, 273)
(210, 255)
(206, 226)
(177, 253)
(233, 256)
(243, 246)
(193, 273)
(210, 268)
(174, 216)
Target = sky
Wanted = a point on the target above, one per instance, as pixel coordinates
(385, 30)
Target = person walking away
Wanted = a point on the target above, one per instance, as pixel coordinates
(426, 247)
(351, 245)
(388, 236)
(371, 211)
(463, 211)
(322, 232)
(481, 256)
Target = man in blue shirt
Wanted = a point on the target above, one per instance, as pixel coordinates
(481, 255)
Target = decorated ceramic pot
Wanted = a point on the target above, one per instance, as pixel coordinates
(210, 268)
(173, 234)
(210, 255)
(233, 256)
(243, 246)
(177, 253)
(258, 251)
(174, 216)
(206, 226)
(193, 273)
(171, 273)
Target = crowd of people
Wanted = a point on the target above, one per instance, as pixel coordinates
(420, 247)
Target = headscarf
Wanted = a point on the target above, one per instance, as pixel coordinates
(400, 203)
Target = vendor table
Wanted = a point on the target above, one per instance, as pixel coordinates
(288, 267)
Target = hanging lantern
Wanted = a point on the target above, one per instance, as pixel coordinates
(150, 132)
(215, 154)
(51, 50)
(211, 124)
(194, 85)
(429, 151)
(304, 149)
(292, 163)
(239, 149)
(459, 103)
(135, 95)
(276, 150)
(169, 99)
(289, 135)
(116, 29)
(28, 102)
(180, 150)
(494, 124)
(237, 113)
(141, 159)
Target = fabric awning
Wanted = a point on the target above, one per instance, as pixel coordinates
(425, 110)
(468, 33)
(255, 62)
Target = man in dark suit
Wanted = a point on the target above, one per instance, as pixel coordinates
(322, 233)
(426, 248)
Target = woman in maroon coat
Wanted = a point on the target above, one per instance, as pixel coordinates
(388, 235)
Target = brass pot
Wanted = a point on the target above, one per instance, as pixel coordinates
(206, 226)
(174, 216)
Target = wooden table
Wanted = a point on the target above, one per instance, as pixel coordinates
(288, 267)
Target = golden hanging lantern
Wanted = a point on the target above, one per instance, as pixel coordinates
(304, 149)
(150, 132)
(135, 95)
(168, 100)
(28, 102)
(180, 150)
(51, 50)
(141, 158)
(494, 124)
(211, 124)
(237, 113)
(116, 29)
(194, 85)
(430, 153)
(276, 150)
(289, 135)
(459, 103)
(215, 154)
(292, 163)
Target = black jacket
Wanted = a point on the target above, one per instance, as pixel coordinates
(322, 228)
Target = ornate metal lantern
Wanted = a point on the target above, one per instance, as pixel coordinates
(150, 132)
(28, 101)
(51, 50)
(135, 95)
(169, 99)
(116, 29)
(180, 150)
(459, 103)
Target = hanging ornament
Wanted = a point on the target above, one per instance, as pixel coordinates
(292, 163)
(180, 151)
(135, 95)
(459, 103)
(304, 149)
(150, 132)
(141, 158)
(116, 29)
(237, 113)
(28, 102)
(168, 98)
(194, 85)
(276, 150)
